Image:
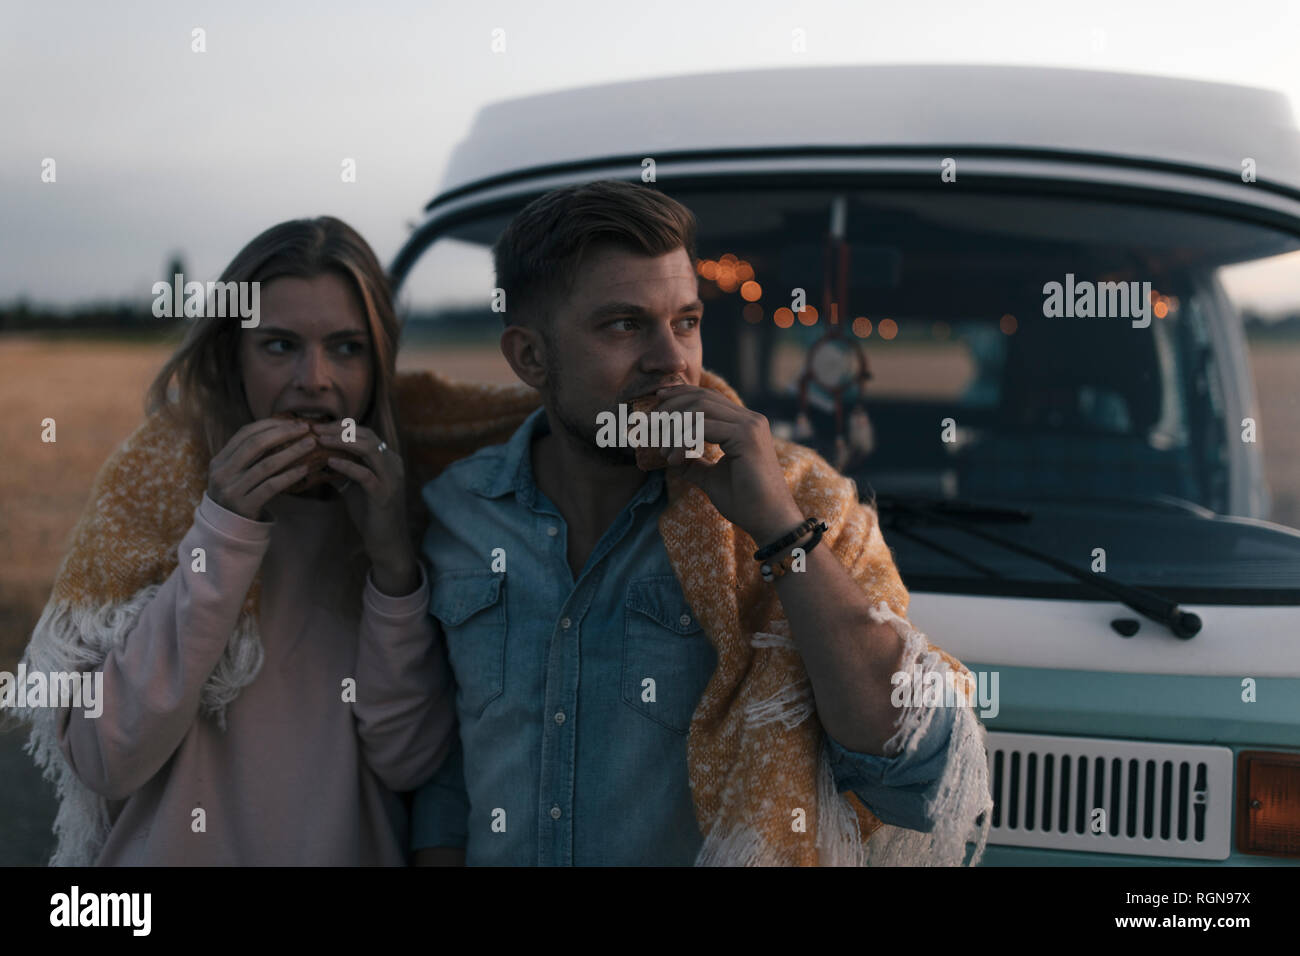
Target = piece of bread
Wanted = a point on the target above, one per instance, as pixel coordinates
(647, 458)
(653, 459)
(317, 460)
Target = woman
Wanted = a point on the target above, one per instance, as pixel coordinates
(271, 677)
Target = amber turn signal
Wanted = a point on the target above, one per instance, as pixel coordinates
(1268, 803)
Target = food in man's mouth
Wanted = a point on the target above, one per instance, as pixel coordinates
(649, 458)
(317, 460)
(654, 458)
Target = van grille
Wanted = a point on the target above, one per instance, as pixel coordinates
(1172, 800)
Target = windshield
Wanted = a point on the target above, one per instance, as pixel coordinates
(1124, 373)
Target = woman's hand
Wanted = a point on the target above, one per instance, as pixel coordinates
(243, 477)
(376, 500)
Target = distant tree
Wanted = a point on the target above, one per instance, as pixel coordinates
(176, 265)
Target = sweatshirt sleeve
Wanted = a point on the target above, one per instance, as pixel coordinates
(153, 679)
(404, 706)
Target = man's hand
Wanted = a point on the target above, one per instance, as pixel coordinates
(850, 658)
(747, 486)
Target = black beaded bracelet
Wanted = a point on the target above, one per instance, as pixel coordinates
(771, 572)
(762, 554)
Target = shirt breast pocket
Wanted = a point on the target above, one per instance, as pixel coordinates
(667, 657)
(471, 607)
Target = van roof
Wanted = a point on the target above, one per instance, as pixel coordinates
(945, 107)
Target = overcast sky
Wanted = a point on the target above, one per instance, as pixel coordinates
(159, 149)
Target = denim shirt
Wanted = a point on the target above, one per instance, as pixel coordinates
(562, 760)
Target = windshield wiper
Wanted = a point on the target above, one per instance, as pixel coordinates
(960, 515)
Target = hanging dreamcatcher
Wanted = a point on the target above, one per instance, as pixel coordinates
(836, 362)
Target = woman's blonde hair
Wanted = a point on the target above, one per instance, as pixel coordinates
(210, 398)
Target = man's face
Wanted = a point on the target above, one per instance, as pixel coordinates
(631, 325)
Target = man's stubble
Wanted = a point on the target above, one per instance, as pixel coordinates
(582, 431)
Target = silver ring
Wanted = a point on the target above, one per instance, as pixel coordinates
(383, 446)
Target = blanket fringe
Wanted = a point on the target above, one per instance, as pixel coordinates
(791, 705)
(839, 838)
(72, 638)
(741, 846)
(962, 807)
(777, 636)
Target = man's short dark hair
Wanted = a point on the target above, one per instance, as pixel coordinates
(538, 255)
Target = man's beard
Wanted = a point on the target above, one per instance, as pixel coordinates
(582, 431)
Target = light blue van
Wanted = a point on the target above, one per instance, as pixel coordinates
(1049, 319)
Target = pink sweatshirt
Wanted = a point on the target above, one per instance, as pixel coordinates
(300, 776)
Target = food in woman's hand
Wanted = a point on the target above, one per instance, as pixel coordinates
(317, 460)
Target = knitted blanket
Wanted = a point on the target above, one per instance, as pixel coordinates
(755, 747)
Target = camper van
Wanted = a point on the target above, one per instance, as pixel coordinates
(1049, 322)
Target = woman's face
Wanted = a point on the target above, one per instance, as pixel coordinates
(310, 352)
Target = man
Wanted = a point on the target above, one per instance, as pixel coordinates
(630, 690)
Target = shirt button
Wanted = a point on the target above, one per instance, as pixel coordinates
(684, 620)
(552, 531)
(559, 716)
(565, 622)
(555, 813)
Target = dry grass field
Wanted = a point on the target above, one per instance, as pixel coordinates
(94, 392)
